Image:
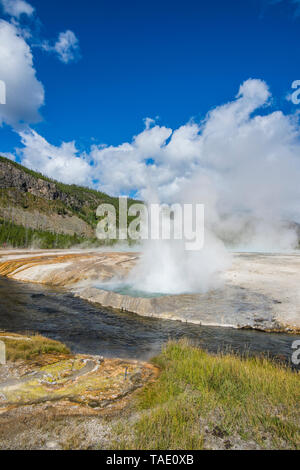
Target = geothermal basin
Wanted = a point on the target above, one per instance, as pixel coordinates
(260, 291)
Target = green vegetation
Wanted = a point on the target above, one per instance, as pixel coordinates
(17, 236)
(70, 189)
(11, 198)
(31, 346)
(199, 397)
(82, 201)
(21, 208)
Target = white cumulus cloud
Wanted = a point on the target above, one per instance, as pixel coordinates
(59, 162)
(242, 164)
(24, 92)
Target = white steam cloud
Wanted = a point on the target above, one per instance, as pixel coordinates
(244, 168)
(243, 164)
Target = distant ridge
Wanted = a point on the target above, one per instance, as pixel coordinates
(33, 201)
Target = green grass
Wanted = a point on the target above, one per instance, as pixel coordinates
(31, 347)
(198, 394)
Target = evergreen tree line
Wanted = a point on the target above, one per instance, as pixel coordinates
(17, 236)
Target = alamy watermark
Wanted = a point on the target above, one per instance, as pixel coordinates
(295, 97)
(152, 222)
(296, 353)
(2, 92)
(2, 353)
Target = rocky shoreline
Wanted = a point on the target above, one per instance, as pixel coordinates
(194, 308)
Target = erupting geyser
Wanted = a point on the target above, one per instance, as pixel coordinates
(244, 167)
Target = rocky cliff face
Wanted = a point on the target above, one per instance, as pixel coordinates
(67, 224)
(33, 201)
(14, 177)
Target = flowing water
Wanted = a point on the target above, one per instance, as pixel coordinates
(85, 328)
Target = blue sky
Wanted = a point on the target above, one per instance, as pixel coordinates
(171, 61)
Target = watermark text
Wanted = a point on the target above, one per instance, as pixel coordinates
(296, 353)
(2, 353)
(2, 92)
(152, 222)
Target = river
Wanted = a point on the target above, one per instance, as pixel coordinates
(88, 329)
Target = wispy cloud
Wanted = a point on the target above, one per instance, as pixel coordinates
(16, 8)
(66, 47)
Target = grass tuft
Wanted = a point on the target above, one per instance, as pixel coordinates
(31, 347)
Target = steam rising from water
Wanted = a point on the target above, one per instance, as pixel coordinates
(167, 268)
(245, 168)
(241, 162)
